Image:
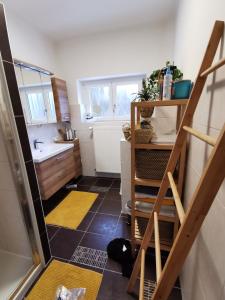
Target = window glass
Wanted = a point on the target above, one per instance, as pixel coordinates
(100, 101)
(125, 93)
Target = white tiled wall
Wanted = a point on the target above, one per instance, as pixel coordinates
(203, 276)
(44, 133)
(13, 235)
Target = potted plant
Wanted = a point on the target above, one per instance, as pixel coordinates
(158, 75)
(177, 74)
(149, 92)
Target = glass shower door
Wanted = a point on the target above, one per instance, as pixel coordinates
(18, 249)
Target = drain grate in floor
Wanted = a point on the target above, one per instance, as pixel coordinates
(102, 189)
(90, 257)
(149, 287)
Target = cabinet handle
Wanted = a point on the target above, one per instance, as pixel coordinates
(60, 157)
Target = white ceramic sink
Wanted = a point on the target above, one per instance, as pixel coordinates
(48, 150)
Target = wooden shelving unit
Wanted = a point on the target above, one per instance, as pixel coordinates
(191, 218)
(169, 204)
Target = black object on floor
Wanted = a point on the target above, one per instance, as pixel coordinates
(120, 250)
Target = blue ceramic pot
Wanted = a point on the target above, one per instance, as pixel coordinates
(182, 89)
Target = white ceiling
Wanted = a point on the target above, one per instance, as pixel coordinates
(62, 19)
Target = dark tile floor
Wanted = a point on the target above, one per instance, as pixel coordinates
(102, 223)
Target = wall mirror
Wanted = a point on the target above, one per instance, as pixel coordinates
(36, 94)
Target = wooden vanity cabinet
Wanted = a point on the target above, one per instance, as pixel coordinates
(61, 99)
(77, 158)
(55, 172)
(58, 170)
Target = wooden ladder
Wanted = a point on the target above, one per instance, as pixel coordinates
(202, 199)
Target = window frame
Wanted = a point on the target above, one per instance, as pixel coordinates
(112, 82)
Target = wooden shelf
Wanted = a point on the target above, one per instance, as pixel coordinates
(162, 217)
(167, 213)
(168, 218)
(147, 182)
(175, 102)
(154, 146)
(146, 199)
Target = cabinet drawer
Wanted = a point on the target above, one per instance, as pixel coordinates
(54, 161)
(66, 171)
(55, 172)
(47, 192)
(46, 172)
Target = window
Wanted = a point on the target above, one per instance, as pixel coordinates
(108, 98)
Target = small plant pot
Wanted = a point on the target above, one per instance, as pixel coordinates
(182, 89)
(146, 112)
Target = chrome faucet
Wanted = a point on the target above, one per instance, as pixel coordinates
(36, 142)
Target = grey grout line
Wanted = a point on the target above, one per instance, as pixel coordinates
(112, 215)
(86, 230)
(53, 234)
(108, 270)
(95, 213)
(113, 233)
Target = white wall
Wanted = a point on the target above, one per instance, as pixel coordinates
(139, 50)
(28, 44)
(203, 276)
(118, 52)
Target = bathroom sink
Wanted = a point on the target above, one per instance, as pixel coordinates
(48, 150)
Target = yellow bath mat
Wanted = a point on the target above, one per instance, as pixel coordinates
(59, 273)
(71, 211)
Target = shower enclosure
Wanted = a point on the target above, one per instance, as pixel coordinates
(18, 247)
(24, 245)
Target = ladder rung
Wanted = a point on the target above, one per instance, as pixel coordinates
(157, 248)
(176, 196)
(204, 137)
(142, 277)
(213, 68)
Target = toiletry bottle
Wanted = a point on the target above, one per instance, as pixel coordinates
(71, 135)
(67, 134)
(167, 85)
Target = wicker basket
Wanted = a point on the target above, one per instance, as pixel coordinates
(151, 164)
(143, 136)
(126, 131)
